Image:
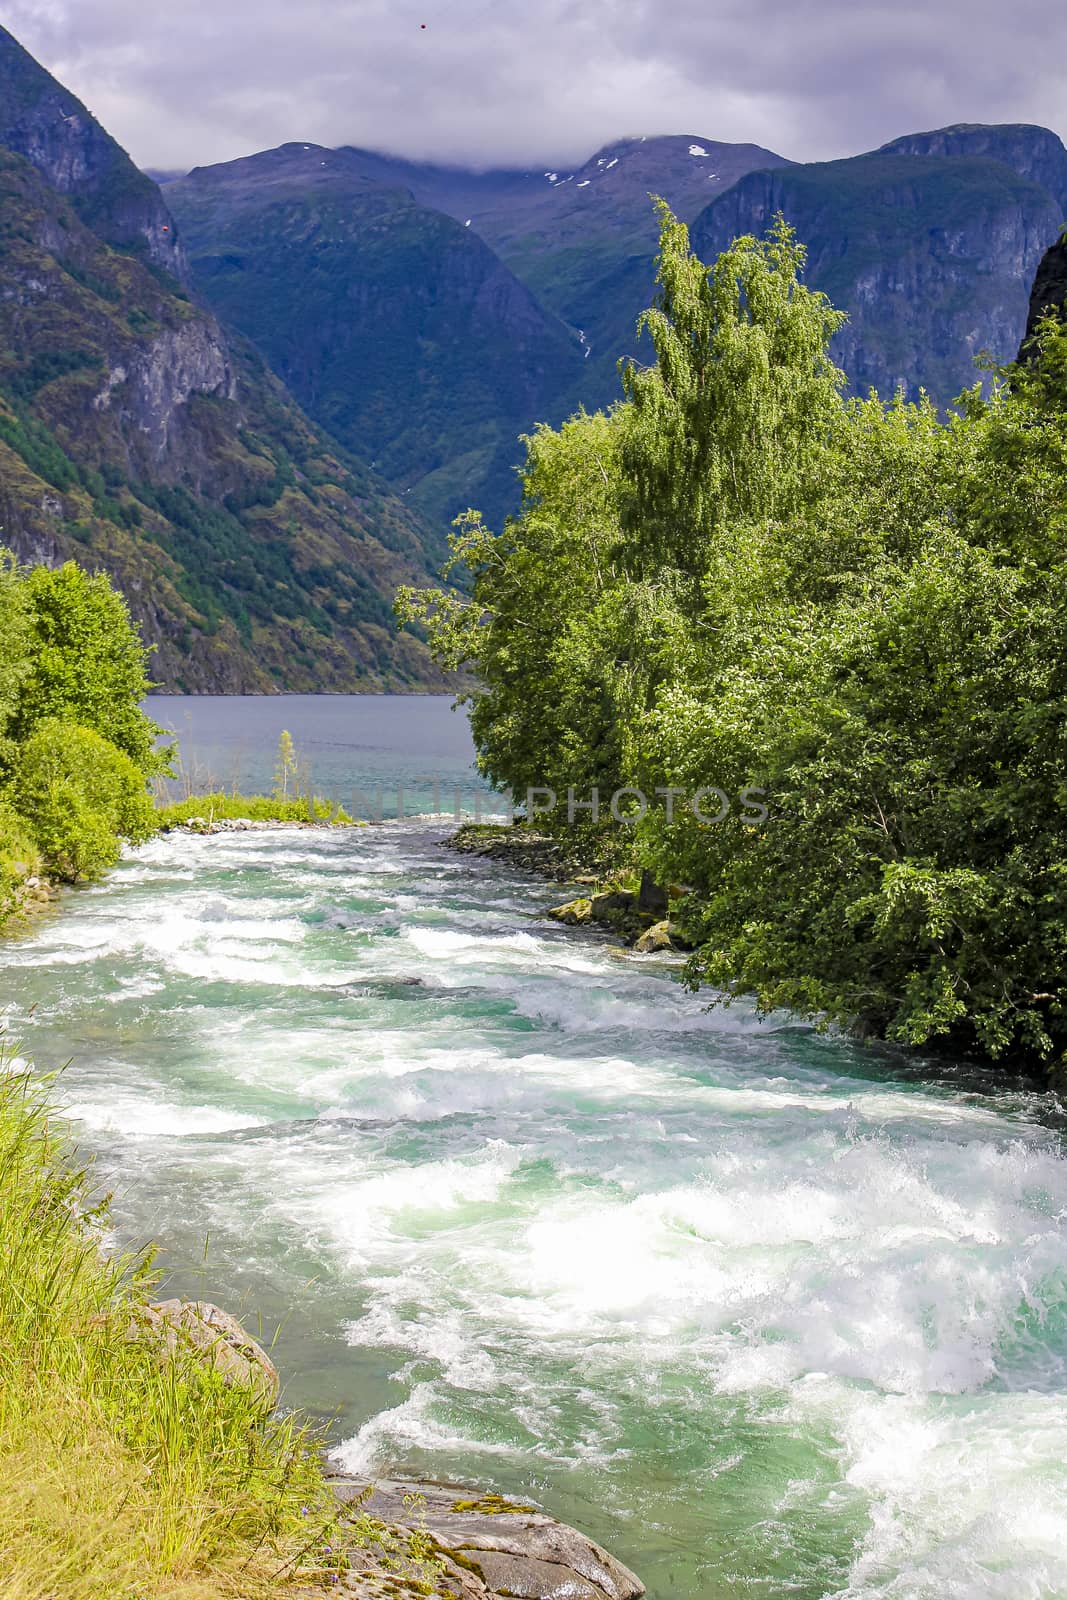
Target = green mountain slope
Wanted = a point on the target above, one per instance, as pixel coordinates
(932, 255)
(395, 325)
(584, 241)
(136, 438)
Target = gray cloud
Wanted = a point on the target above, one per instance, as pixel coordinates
(493, 82)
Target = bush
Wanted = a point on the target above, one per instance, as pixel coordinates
(251, 807)
(85, 797)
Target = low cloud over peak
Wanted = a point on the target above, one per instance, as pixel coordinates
(483, 83)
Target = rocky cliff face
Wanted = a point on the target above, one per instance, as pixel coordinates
(46, 124)
(932, 257)
(1049, 293)
(1034, 153)
(136, 437)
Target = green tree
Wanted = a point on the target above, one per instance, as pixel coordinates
(731, 421)
(88, 664)
(15, 662)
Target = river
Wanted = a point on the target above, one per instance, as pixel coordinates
(758, 1309)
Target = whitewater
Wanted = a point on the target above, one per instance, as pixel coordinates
(764, 1312)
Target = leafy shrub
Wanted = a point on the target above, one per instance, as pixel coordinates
(255, 808)
(85, 797)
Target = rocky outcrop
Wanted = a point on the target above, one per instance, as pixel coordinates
(655, 939)
(520, 845)
(181, 362)
(484, 1547)
(1049, 293)
(573, 913)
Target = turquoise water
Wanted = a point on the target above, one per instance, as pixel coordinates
(751, 1306)
(377, 755)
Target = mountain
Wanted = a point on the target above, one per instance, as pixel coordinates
(46, 124)
(930, 245)
(138, 438)
(428, 314)
(396, 326)
(433, 346)
(584, 241)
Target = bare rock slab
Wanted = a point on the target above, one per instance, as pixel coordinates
(492, 1547)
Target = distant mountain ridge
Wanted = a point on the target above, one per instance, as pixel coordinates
(429, 315)
(932, 257)
(930, 245)
(395, 325)
(1031, 151)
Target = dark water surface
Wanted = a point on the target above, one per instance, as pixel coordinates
(763, 1317)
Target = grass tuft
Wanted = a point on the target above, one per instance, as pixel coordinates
(127, 1470)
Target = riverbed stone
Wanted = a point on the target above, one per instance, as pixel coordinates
(658, 937)
(490, 1546)
(573, 913)
(207, 1330)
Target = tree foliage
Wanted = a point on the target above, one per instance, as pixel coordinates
(76, 750)
(87, 664)
(739, 577)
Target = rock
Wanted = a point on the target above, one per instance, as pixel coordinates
(651, 898)
(1048, 295)
(490, 1547)
(199, 1326)
(531, 1579)
(658, 937)
(613, 904)
(574, 913)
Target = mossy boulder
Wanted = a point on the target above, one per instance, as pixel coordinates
(573, 913)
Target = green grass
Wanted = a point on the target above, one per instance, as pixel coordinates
(221, 807)
(125, 1470)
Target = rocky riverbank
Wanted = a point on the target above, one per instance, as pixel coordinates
(638, 912)
(397, 1534)
(26, 902)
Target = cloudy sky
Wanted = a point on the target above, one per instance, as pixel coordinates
(525, 81)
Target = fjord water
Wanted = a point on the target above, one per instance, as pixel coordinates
(758, 1309)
